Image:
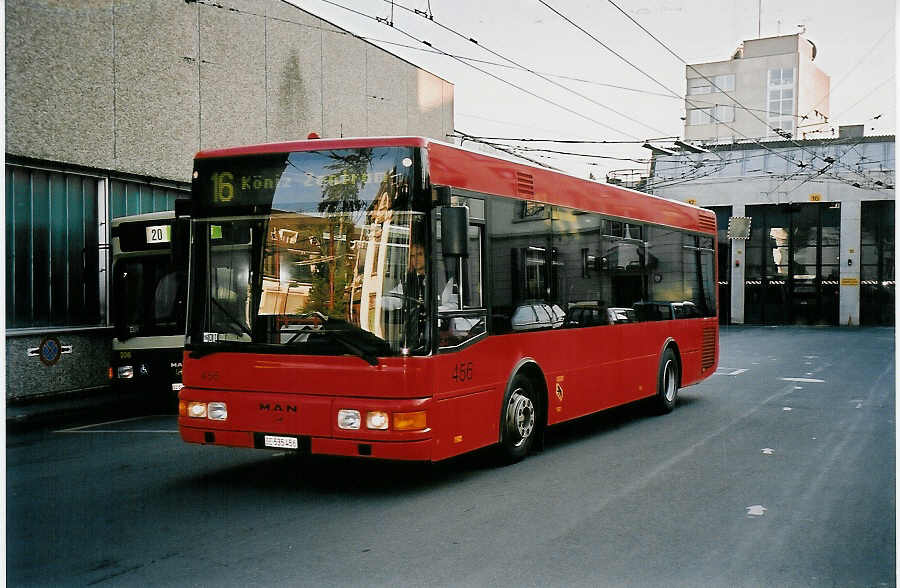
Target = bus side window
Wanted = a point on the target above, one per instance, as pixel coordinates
(459, 290)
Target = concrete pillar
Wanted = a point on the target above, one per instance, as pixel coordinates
(848, 308)
(738, 259)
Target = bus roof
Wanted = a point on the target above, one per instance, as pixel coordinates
(459, 167)
(143, 217)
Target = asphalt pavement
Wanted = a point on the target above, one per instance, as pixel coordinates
(777, 471)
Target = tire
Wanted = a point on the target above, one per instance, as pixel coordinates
(519, 419)
(667, 382)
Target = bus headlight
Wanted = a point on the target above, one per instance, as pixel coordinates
(125, 372)
(348, 419)
(377, 419)
(217, 411)
(196, 410)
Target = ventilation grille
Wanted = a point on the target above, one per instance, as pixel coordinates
(709, 348)
(707, 223)
(524, 185)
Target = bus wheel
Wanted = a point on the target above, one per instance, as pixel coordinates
(519, 420)
(667, 382)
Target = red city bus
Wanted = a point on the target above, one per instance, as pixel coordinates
(402, 298)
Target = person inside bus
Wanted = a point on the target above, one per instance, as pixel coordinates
(413, 286)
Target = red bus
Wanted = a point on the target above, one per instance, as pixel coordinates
(402, 298)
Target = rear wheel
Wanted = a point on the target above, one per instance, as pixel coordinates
(667, 384)
(519, 419)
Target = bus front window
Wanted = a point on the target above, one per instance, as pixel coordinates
(148, 297)
(307, 252)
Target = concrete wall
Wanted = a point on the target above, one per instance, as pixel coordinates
(751, 79)
(813, 94)
(139, 87)
(750, 87)
(85, 367)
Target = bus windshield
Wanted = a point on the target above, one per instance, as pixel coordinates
(314, 252)
(148, 290)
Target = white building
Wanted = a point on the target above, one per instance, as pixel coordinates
(768, 85)
(821, 243)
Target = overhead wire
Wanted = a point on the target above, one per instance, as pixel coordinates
(578, 141)
(712, 83)
(521, 68)
(535, 73)
(485, 72)
(852, 69)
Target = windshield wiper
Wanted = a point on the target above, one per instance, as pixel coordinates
(209, 350)
(230, 317)
(322, 317)
(358, 351)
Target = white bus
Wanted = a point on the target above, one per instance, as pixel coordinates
(148, 308)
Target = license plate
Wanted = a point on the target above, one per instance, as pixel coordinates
(176, 386)
(280, 442)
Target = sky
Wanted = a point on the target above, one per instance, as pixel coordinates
(610, 99)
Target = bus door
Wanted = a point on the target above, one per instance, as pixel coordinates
(465, 402)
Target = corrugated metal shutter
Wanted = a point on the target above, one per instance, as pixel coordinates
(53, 275)
(127, 198)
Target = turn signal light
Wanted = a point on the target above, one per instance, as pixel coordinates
(411, 421)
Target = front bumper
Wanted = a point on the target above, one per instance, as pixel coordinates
(311, 420)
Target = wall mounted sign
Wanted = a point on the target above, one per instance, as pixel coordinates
(49, 351)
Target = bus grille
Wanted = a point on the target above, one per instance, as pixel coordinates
(524, 184)
(709, 348)
(706, 223)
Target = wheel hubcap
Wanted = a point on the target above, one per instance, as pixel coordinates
(520, 417)
(669, 382)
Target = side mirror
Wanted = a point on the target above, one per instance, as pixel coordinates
(455, 231)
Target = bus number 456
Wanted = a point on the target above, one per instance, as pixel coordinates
(462, 371)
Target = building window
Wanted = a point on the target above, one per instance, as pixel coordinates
(707, 85)
(700, 116)
(724, 113)
(698, 86)
(780, 101)
(725, 82)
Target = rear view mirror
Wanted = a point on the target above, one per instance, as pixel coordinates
(455, 231)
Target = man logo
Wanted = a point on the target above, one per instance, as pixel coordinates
(266, 407)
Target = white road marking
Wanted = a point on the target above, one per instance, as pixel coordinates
(93, 429)
(807, 380)
(102, 424)
(768, 451)
(757, 510)
(125, 431)
(729, 371)
(787, 409)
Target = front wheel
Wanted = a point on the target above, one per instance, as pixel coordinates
(667, 383)
(518, 420)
